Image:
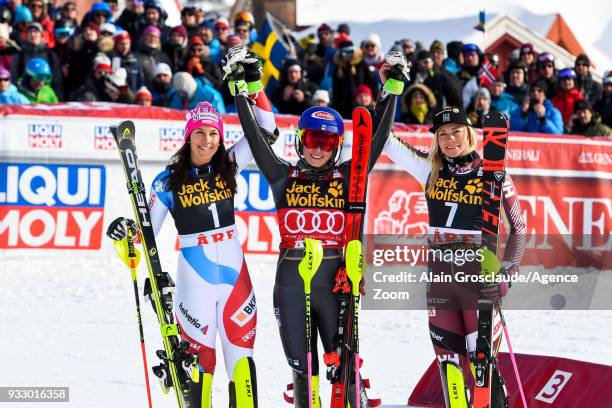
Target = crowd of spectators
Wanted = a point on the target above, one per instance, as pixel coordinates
(132, 56)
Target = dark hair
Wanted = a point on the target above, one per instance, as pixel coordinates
(180, 167)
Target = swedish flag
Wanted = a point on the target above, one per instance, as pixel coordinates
(272, 45)
(481, 26)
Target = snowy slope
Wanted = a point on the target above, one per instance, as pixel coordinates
(70, 321)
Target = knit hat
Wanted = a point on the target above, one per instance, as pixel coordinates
(22, 14)
(35, 25)
(448, 115)
(233, 40)
(484, 92)
(179, 29)
(5, 73)
(162, 68)
(101, 61)
(184, 82)
(321, 95)
(143, 93)
(454, 48)
(436, 45)
(362, 89)
(117, 80)
(372, 38)
(151, 30)
(527, 48)
(93, 26)
(582, 104)
(324, 27)
(222, 23)
(344, 28)
(121, 36)
(423, 55)
(108, 28)
(343, 41)
(204, 114)
(195, 40)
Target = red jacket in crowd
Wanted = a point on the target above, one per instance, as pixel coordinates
(564, 101)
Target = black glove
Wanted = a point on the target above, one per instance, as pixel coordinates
(252, 67)
(117, 230)
(239, 63)
(400, 67)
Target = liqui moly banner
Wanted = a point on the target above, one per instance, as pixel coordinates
(53, 206)
(563, 181)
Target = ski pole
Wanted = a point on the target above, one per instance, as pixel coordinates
(313, 254)
(354, 270)
(131, 257)
(514, 365)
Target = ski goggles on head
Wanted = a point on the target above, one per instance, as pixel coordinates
(327, 141)
(63, 32)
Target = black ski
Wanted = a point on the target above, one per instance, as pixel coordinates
(177, 364)
(495, 129)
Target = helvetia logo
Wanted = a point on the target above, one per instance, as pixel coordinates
(193, 320)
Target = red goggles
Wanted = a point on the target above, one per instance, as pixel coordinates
(327, 141)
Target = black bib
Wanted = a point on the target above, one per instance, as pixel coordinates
(204, 203)
(455, 201)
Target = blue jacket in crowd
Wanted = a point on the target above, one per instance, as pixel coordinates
(204, 92)
(551, 123)
(504, 103)
(12, 95)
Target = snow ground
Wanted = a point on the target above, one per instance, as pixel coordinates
(70, 321)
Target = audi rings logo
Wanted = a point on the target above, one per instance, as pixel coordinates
(310, 221)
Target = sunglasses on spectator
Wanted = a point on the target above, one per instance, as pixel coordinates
(111, 1)
(41, 77)
(197, 49)
(36, 6)
(369, 45)
(470, 53)
(189, 14)
(5, 79)
(99, 15)
(548, 65)
(578, 64)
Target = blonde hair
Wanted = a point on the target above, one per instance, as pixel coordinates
(435, 156)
